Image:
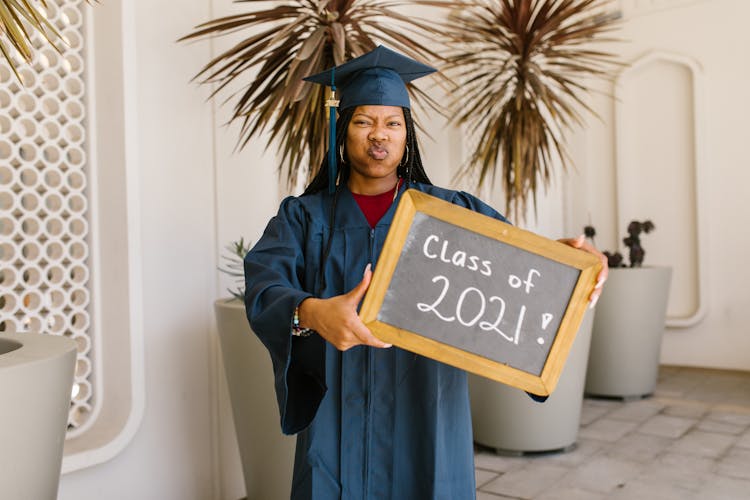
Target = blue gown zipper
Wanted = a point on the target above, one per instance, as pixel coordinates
(370, 384)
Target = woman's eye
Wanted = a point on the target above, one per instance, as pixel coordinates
(395, 124)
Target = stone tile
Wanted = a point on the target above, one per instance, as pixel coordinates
(690, 464)
(724, 488)
(686, 410)
(637, 411)
(638, 490)
(483, 477)
(608, 403)
(482, 495)
(607, 429)
(639, 447)
(707, 444)
(567, 493)
(739, 398)
(735, 464)
(678, 386)
(584, 449)
(591, 412)
(527, 482)
(602, 474)
(687, 471)
(744, 440)
(720, 427)
(741, 419)
(667, 426)
(626, 451)
(719, 387)
(498, 463)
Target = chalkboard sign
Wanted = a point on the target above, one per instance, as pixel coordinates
(478, 294)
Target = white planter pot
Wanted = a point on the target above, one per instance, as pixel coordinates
(508, 420)
(36, 377)
(627, 333)
(267, 455)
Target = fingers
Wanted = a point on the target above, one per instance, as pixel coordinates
(581, 244)
(578, 242)
(359, 329)
(354, 333)
(337, 320)
(367, 338)
(600, 279)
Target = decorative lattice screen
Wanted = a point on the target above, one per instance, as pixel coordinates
(45, 281)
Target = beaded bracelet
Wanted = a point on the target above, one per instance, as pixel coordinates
(297, 330)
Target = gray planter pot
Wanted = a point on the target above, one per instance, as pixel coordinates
(508, 420)
(627, 333)
(267, 455)
(36, 377)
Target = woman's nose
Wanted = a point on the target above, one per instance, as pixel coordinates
(377, 134)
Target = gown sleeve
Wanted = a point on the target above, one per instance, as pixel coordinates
(274, 276)
(469, 201)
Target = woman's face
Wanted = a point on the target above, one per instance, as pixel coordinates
(375, 143)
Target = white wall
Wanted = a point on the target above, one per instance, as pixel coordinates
(171, 454)
(713, 34)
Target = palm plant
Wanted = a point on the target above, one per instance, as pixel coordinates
(18, 20)
(522, 66)
(290, 40)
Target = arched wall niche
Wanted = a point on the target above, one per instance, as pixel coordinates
(661, 171)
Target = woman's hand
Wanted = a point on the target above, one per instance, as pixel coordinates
(336, 319)
(582, 244)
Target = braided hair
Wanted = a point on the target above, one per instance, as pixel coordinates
(410, 169)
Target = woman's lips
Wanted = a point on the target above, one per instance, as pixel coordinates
(377, 152)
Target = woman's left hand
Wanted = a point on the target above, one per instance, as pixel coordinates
(582, 244)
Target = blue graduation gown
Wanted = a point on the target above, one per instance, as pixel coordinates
(371, 423)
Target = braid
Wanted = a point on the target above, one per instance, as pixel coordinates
(412, 170)
(320, 181)
(327, 249)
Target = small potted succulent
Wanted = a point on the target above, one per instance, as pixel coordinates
(629, 322)
(267, 456)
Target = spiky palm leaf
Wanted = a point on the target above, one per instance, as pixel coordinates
(289, 41)
(18, 20)
(522, 66)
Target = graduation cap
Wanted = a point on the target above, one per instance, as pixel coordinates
(378, 77)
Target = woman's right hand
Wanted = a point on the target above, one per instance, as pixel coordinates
(336, 320)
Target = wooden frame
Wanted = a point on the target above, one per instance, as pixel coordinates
(413, 201)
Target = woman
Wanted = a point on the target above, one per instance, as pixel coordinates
(372, 421)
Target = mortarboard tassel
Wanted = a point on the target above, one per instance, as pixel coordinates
(332, 104)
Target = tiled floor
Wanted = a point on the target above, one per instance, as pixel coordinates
(689, 441)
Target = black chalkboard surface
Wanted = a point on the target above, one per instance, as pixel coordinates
(477, 293)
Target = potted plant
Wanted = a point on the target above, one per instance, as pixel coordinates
(629, 324)
(267, 455)
(37, 369)
(511, 422)
(292, 39)
(523, 69)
